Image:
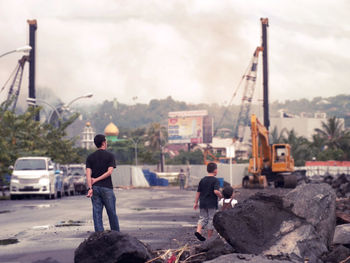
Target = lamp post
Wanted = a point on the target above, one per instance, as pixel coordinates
(135, 146)
(32, 102)
(65, 107)
(89, 95)
(24, 49)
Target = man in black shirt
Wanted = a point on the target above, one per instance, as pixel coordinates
(99, 168)
(207, 195)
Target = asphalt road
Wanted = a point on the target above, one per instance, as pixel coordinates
(50, 230)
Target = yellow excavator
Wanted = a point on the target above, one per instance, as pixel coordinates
(269, 163)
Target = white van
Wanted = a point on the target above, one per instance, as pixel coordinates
(33, 176)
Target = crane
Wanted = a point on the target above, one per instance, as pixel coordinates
(15, 86)
(248, 92)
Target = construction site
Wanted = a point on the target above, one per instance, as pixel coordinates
(284, 212)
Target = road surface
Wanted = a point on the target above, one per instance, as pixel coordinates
(50, 230)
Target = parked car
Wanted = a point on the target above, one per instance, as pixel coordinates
(68, 181)
(33, 176)
(78, 173)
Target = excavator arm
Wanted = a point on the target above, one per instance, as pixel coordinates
(261, 152)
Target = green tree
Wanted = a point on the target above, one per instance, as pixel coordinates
(331, 132)
(277, 137)
(185, 157)
(21, 135)
(333, 140)
(299, 147)
(157, 135)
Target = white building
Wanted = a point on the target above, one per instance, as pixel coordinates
(88, 134)
(303, 125)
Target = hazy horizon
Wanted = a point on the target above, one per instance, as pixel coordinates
(192, 50)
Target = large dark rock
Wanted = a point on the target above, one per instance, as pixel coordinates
(300, 225)
(210, 249)
(111, 246)
(342, 234)
(316, 204)
(338, 254)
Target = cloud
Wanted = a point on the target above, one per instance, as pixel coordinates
(194, 51)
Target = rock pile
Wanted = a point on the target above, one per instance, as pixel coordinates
(340, 183)
(270, 226)
(297, 226)
(111, 247)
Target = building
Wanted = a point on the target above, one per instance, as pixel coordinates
(303, 125)
(87, 137)
(219, 146)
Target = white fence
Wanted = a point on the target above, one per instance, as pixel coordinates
(325, 170)
(127, 175)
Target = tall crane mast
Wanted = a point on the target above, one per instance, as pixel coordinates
(264, 25)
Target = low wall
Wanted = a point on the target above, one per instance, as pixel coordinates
(122, 176)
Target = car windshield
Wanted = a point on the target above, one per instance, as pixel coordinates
(30, 164)
(77, 171)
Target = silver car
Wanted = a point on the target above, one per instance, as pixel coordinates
(33, 176)
(78, 173)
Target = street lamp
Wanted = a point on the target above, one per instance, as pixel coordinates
(24, 49)
(65, 107)
(32, 102)
(135, 145)
(89, 95)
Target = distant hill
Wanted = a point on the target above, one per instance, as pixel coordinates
(141, 115)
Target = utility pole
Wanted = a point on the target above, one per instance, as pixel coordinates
(264, 25)
(32, 43)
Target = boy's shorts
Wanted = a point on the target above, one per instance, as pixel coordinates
(206, 216)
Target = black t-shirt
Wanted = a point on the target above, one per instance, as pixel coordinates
(98, 162)
(207, 198)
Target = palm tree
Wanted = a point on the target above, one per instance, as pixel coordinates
(300, 147)
(276, 137)
(157, 140)
(332, 132)
(336, 141)
(156, 135)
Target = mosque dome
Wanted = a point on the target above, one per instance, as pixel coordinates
(111, 130)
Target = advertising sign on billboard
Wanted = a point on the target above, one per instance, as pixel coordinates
(188, 127)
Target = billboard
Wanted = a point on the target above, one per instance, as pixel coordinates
(190, 127)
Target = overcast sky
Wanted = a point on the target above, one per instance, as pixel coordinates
(194, 51)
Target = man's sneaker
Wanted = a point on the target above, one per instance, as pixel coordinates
(199, 236)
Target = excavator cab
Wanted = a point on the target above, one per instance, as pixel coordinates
(282, 161)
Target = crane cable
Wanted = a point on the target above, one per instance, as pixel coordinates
(233, 96)
(13, 72)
